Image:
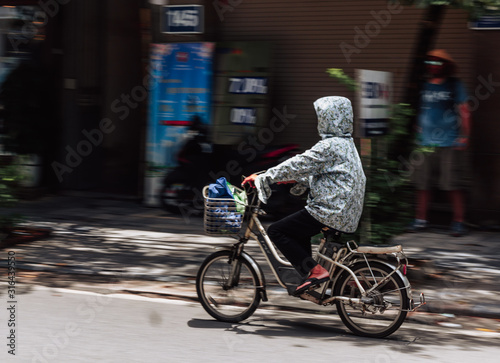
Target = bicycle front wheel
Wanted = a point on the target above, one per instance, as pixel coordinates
(384, 309)
(227, 289)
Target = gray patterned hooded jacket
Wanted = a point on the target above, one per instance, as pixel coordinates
(331, 168)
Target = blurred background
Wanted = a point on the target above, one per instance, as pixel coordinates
(71, 67)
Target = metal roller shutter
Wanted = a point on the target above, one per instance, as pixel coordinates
(307, 38)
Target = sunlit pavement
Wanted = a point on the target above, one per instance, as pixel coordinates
(144, 250)
(69, 325)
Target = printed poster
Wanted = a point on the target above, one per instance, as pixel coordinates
(181, 88)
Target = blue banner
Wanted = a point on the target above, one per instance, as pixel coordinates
(181, 90)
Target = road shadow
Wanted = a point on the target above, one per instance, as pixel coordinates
(410, 338)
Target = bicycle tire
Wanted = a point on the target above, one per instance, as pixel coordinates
(393, 294)
(230, 304)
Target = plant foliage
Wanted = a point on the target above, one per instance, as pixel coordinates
(9, 178)
(387, 205)
(389, 193)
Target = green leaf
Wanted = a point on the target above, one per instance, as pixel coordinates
(387, 205)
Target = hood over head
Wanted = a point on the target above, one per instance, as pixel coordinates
(334, 116)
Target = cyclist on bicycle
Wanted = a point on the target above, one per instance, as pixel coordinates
(334, 174)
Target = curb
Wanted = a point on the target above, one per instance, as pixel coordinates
(182, 287)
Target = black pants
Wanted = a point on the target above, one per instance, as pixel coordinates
(292, 235)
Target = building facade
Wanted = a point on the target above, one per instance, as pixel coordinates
(99, 53)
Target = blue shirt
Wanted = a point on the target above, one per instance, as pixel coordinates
(438, 117)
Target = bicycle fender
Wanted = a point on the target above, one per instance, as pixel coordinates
(258, 271)
(403, 277)
(398, 272)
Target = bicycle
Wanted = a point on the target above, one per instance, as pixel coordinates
(368, 284)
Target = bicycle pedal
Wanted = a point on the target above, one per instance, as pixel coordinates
(311, 295)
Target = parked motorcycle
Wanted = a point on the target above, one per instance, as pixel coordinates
(201, 163)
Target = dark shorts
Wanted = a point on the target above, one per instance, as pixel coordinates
(445, 169)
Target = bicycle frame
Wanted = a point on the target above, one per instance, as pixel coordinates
(288, 277)
(367, 284)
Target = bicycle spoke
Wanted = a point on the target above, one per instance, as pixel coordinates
(388, 303)
(221, 298)
(366, 280)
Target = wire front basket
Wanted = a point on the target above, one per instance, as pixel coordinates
(223, 216)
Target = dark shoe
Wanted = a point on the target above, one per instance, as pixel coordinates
(458, 229)
(417, 225)
(317, 276)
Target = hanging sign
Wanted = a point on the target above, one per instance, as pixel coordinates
(182, 19)
(374, 102)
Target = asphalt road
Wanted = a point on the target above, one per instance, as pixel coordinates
(64, 325)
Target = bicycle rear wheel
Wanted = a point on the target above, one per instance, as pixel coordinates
(226, 300)
(387, 305)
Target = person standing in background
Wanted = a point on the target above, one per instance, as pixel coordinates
(443, 130)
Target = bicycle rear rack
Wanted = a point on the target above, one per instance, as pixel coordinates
(316, 298)
(422, 303)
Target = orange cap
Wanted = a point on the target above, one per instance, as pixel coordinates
(441, 53)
